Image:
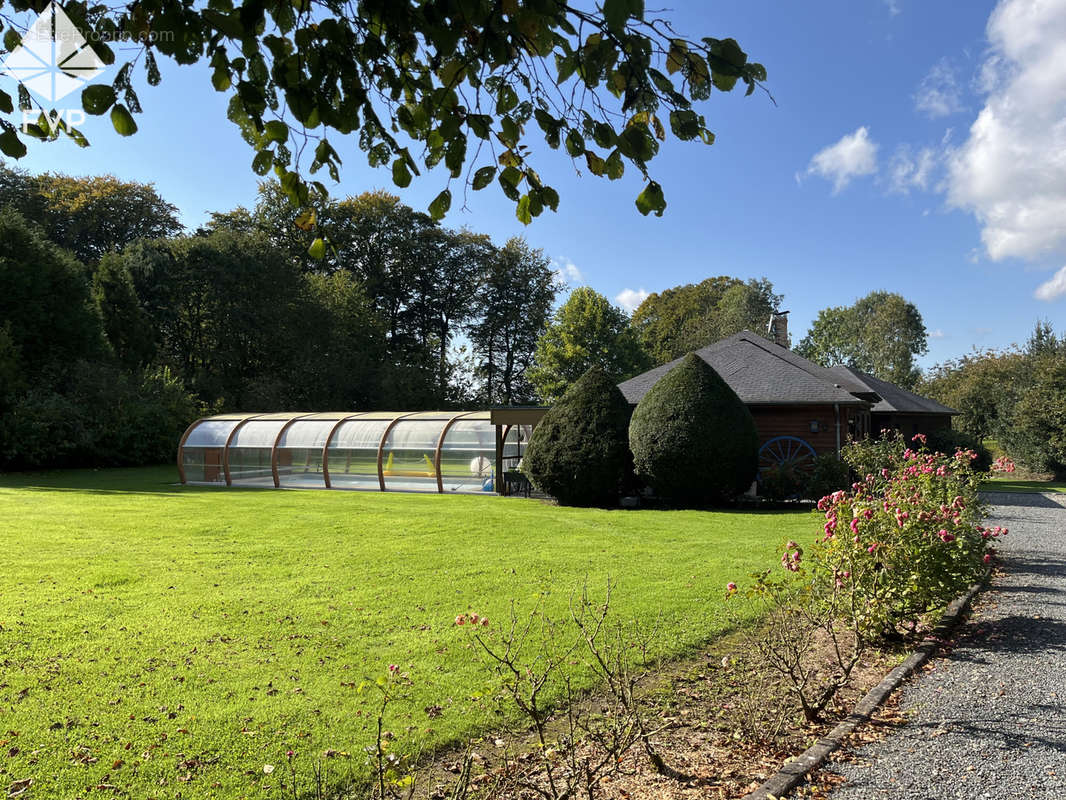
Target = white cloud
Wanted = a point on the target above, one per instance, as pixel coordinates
(1011, 171)
(1052, 289)
(937, 334)
(567, 271)
(911, 170)
(853, 156)
(893, 7)
(630, 299)
(939, 93)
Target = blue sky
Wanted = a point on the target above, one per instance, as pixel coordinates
(917, 146)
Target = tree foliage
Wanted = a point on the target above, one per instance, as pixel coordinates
(458, 83)
(1015, 397)
(881, 333)
(579, 452)
(513, 304)
(585, 332)
(89, 216)
(692, 438)
(686, 318)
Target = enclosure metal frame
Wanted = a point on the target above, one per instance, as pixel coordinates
(447, 420)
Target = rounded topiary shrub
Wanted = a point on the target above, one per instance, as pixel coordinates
(579, 453)
(692, 438)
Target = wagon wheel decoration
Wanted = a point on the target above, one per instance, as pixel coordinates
(788, 454)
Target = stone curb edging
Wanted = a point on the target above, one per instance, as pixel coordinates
(794, 772)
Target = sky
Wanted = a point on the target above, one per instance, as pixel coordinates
(915, 146)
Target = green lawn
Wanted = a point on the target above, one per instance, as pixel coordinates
(170, 641)
(1006, 484)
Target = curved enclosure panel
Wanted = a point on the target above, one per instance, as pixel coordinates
(440, 451)
(250, 451)
(468, 457)
(408, 455)
(353, 452)
(201, 455)
(299, 452)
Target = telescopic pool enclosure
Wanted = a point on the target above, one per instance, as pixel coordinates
(427, 451)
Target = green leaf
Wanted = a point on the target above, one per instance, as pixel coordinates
(614, 166)
(615, 14)
(575, 144)
(276, 131)
(12, 39)
(11, 145)
(685, 124)
(6, 105)
(262, 162)
(401, 176)
(522, 210)
(229, 25)
(220, 79)
(440, 205)
(651, 199)
(483, 177)
(675, 59)
(317, 250)
(97, 99)
(122, 120)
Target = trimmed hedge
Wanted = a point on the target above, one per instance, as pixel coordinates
(579, 452)
(692, 438)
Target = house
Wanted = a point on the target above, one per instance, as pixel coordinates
(802, 409)
(895, 408)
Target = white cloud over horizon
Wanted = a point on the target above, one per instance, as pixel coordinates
(1053, 288)
(939, 94)
(567, 271)
(630, 299)
(1011, 171)
(853, 156)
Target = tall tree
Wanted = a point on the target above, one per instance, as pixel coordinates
(585, 332)
(89, 216)
(439, 78)
(46, 310)
(881, 333)
(514, 301)
(686, 318)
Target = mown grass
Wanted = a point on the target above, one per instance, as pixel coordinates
(170, 641)
(1007, 484)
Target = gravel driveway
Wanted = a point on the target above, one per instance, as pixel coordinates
(989, 719)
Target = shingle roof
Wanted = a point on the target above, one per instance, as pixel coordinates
(893, 399)
(761, 373)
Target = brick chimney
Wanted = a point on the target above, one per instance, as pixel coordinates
(778, 328)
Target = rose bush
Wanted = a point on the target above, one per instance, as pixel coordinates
(907, 537)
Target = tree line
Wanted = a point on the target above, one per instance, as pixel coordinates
(1014, 397)
(119, 326)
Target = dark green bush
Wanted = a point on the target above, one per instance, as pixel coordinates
(693, 440)
(947, 441)
(579, 453)
(829, 474)
(781, 482)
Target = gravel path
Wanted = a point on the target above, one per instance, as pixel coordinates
(989, 719)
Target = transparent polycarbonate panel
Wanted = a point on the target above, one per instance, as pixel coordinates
(359, 434)
(258, 433)
(250, 465)
(353, 453)
(211, 433)
(203, 465)
(307, 433)
(300, 466)
(468, 455)
(407, 461)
